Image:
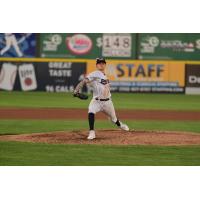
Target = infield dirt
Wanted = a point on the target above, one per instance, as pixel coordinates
(61, 113)
(110, 137)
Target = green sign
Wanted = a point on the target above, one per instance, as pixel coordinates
(88, 45)
(169, 46)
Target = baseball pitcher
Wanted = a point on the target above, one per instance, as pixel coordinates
(101, 100)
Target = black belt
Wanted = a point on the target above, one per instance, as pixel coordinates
(102, 99)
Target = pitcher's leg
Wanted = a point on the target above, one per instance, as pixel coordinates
(110, 111)
(94, 107)
(91, 119)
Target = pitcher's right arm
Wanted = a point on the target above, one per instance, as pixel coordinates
(80, 85)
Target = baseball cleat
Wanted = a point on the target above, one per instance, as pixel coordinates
(124, 127)
(91, 135)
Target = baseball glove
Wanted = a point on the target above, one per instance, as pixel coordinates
(81, 96)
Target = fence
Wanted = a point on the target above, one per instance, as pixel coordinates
(56, 62)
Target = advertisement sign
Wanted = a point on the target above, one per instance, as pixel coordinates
(171, 46)
(144, 76)
(59, 76)
(47, 76)
(192, 79)
(88, 45)
(27, 77)
(8, 76)
(17, 45)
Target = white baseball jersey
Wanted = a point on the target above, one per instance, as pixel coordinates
(101, 89)
(100, 84)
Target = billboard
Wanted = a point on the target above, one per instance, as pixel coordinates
(61, 75)
(8, 73)
(144, 76)
(17, 45)
(47, 76)
(171, 46)
(192, 79)
(88, 45)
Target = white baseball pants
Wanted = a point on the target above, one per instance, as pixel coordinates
(106, 107)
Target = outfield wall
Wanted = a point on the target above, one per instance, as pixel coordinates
(127, 46)
(62, 75)
(137, 62)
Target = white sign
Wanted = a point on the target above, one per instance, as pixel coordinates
(27, 77)
(8, 76)
(117, 45)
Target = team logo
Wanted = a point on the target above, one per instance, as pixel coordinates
(104, 82)
(149, 44)
(153, 41)
(79, 44)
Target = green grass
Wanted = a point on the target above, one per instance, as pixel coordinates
(18, 153)
(121, 101)
(34, 126)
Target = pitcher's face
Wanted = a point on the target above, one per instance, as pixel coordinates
(101, 66)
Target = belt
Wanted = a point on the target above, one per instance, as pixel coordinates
(102, 99)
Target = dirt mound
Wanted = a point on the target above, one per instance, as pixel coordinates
(65, 113)
(110, 137)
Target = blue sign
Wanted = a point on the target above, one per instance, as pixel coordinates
(17, 45)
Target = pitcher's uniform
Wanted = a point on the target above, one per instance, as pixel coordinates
(101, 100)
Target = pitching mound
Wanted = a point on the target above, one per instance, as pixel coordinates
(110, 137)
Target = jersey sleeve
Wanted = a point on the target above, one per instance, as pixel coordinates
(91, 76)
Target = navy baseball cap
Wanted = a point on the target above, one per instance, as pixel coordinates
(100, 60)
